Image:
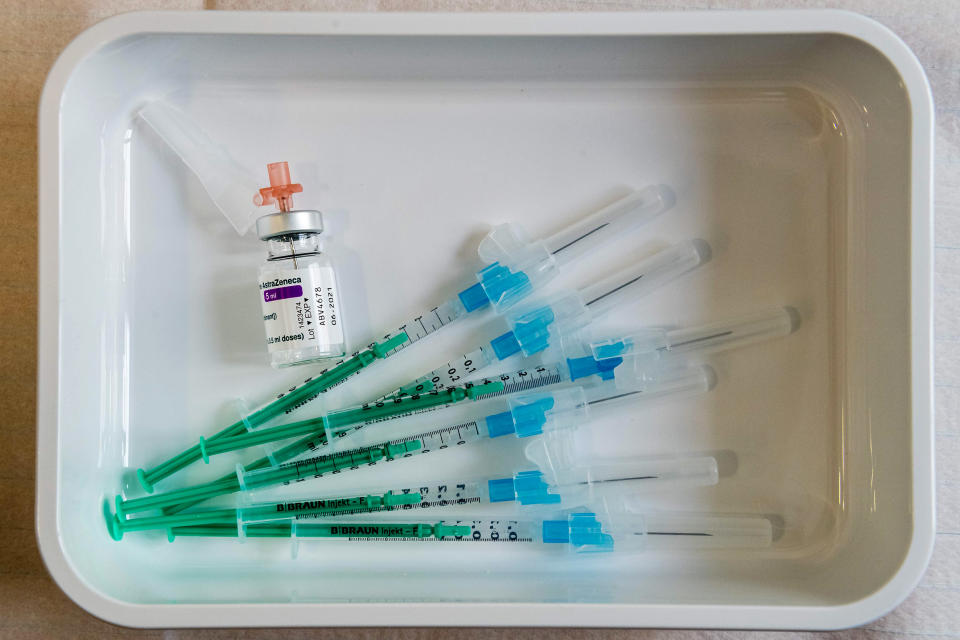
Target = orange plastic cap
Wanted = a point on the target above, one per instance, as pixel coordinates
(281, 190)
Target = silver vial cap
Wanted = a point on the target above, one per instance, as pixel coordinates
(285, 223)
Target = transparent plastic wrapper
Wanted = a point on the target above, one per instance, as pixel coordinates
(613, 530)
(227, 182)
(603, 481)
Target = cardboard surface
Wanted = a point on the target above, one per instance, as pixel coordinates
(33, 34)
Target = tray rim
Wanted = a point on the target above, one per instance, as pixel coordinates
(482, 614)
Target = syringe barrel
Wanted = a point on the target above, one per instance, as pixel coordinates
(633, 210)
(451, 373)
(407, 526)
(321, 465)
(645, 276)
(521, 415)
(344, 421)
(379, 530)
(251, 510)
(469, 425)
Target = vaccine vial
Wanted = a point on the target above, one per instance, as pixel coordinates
(298, 284)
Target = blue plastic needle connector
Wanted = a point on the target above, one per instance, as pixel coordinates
(587, 366)
(523, 420)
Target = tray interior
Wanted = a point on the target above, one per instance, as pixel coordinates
(789, 154)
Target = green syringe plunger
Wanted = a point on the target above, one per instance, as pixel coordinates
(400, 531)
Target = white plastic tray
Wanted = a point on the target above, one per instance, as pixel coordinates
(799, 144)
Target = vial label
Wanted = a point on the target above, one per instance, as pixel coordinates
(301, 309)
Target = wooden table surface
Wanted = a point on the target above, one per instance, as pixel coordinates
(31, 36)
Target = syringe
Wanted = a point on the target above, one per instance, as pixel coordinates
(584, 485)
(580, 532)
(532, 416)
(354, 502)
(535, 327)
(587, 484)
